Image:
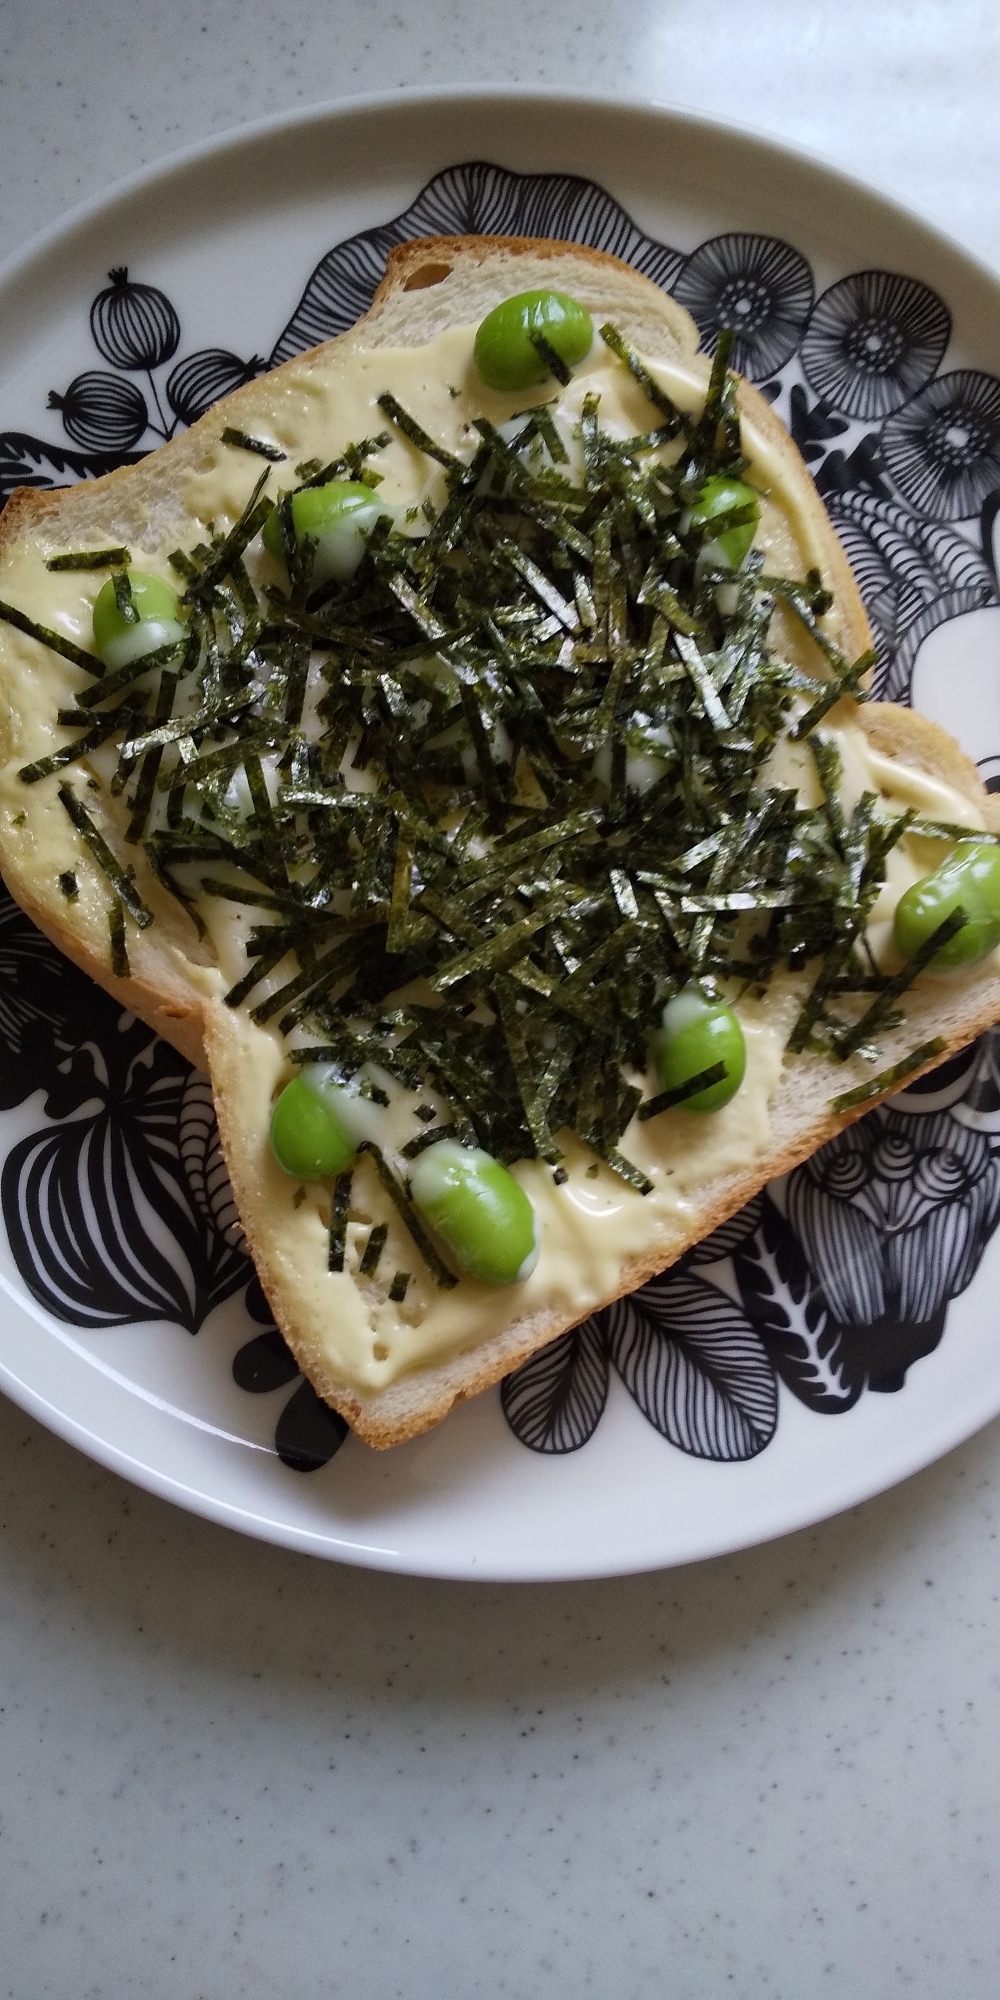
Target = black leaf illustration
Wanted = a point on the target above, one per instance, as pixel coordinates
(474, 199)
(555, 1402)
(134, 325)
(308, 1432)
(943, 448)
(894, 1215)
(913, 575)
(863, 467)
(724, 1240)
(200, 379)
(812, 425)
(264, 1363)
(785, 1304)
(41, 993)
(201, 1157)
(873, 340)
(29, 461)
(695, 1366)
(971, 1075)
(757, 286)
(101, 411)
(99, 1215)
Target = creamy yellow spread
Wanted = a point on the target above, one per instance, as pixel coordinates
(592, 1224)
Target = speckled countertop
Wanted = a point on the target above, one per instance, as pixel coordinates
(226, 1770)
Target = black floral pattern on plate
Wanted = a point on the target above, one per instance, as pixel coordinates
(834, 1282)
(119, 1210)
(942, 450)
(913, 574)
(872, 341)
(758, 287)
(476, 198)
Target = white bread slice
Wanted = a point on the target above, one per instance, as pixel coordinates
(428, 287)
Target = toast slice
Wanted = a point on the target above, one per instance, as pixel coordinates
(395, 1367)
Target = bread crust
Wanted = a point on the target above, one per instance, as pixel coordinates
(428, 284)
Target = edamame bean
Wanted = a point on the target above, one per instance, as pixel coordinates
(479, 1209)
(697, 1033)
(720, 496)
(120, 640)
(310, 1137)
(339, 517)
(970, 879)
(505, 356)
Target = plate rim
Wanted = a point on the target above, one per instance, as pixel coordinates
(900, 1464)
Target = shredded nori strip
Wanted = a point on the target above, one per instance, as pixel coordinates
(408, 1214)
(9, 615)
(338, 1221)
(117, 558)
(398, 1288)
(887, 1079)
(373, 1249)
(244, 442)
(119, 951)
(69, 885)
(878, 1016)
(123, 597)
(547, 353)
(414, 1147)
(669, 1099)
(109, 866)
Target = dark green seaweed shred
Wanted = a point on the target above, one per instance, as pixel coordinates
(338, 1221)
(399, 1286)
(117, 558)
(416, 434)
(120, 881)
(408, 1214)
(547, 353)
(244, 442)
(10, 615)
(667, 1100)
(887, 1079)
(879, 1016)
(123, 597)
(413, 1149)
(119, 951)
(373, 1249)
(69, 885)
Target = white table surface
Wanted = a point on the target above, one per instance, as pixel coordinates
(226, 1770)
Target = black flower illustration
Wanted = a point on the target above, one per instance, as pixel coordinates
(687, 1354)
(895, 1229)
(872, 341)
(200, 379)
(943, 449)
(474, 198)
(135, 326)
(555, 1402)
(756, 285)
(99, 1213)
(101, 411)
(913, 575)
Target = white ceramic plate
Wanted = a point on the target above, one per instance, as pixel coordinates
(858, 1303)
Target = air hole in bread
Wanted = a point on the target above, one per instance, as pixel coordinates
(425, 276)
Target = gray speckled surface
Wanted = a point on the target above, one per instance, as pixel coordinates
(225, 1770)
